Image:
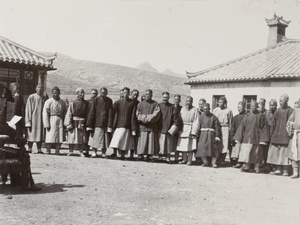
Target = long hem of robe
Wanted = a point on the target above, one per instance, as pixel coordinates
(148, 143)
(77, 136)
(186, 144)
(167, 144)
(250, 153)
(236, 151)
(223, 146)
(277, 155)
(35, 135)
(133, 143)
(121, 139)
(294, 151)
(207, 145)
(56, 133)
(99, 139)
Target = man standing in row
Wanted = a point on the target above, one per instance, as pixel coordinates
(169, 117)
(114, 154)
(209, 129)
(100, 121)
(278, 150)
(53, 119)
(236, 147)
(148, 113)
(125, 124)
(187, 137)
(224, 116)
(94, 94)
(34, 118)
(134, 139)
(75, 122)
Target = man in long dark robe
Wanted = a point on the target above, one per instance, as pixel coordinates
(169, 119)
(125, 124)
(100, 122)
(134, 141)
(201, 103)
(177, 100)
(209, 128)
(252, 134)
(278, 150)
(262, 109)
(75, 122)
(148, 114)
(270, 121)
(114, 154)
(94, 94)
(236, 121)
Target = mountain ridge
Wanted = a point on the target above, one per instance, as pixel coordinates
(72, 73)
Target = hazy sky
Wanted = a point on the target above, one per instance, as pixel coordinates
(180, 35)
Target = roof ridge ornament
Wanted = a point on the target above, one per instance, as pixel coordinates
(276, 20)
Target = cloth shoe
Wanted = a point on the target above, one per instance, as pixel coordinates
(94, 155)
(278, 172)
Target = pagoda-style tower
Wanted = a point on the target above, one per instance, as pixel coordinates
(277, 27)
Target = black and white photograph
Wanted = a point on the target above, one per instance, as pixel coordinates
(150, 112)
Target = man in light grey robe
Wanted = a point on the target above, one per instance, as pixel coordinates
(34, 119)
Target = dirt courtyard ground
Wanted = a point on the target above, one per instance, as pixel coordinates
(79, 190)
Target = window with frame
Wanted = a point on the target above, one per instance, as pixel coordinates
(215, 101)
(247, 100)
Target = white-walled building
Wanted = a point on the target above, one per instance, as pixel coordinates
(267, 73)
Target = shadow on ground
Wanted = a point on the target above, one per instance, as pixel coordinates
(7, 189)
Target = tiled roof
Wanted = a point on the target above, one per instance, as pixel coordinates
(16, 53)
(278, 61)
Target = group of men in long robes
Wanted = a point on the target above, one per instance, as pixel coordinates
(149, 128)
(266, 138)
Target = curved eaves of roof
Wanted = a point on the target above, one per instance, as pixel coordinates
(16, 53)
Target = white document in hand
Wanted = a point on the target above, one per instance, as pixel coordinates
(12, 123)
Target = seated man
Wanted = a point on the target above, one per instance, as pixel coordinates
(26, 180)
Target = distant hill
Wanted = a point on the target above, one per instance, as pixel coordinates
(147, 67)
(72, 73)
(171, 73)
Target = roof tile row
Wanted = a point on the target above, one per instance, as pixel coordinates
(16, 53)
(277, 61)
